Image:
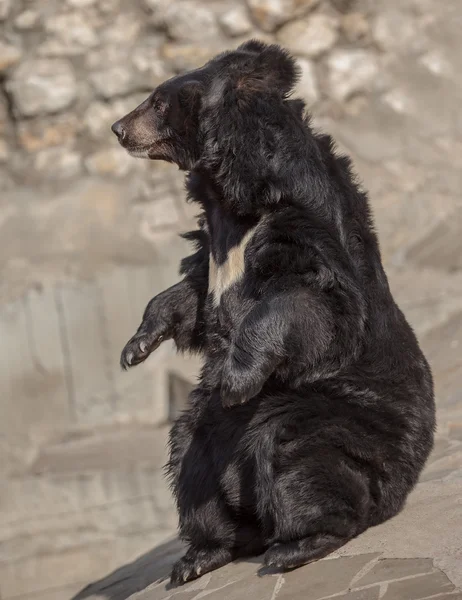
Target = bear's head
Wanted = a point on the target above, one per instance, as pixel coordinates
(233, 118)
(168, 125)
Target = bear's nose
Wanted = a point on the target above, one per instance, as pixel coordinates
(118, 129)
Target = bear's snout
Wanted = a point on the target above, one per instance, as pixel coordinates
(119, 130)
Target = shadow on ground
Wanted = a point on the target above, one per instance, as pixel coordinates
(149, 568)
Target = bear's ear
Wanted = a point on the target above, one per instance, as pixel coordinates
(269, 68)
(255, 46)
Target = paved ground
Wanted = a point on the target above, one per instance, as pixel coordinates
(417, 555)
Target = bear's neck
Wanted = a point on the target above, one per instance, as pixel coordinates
(226, 230)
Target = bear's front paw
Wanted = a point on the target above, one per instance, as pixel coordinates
(141, 345)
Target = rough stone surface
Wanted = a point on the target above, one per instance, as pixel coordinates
(442, 345)
(57, 163)
(355, 26)
(236, 21)
(183, 56)
(442, 244)
(9, 56)
(114, 81)
(4, 151)
(159, 214)
(331, 578)
(42, 86)
(5, 7)
(307, 86)
(88, 235)
(394, 30)
(27, 20)
(68, 34)
(59, 130)
(109, 161)
(420, 587)
(310, 37)
(270, 14)
(81, 3)
(391, 569)
(188, 20)
(350, 72)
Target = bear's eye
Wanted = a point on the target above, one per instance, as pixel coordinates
(158, 105)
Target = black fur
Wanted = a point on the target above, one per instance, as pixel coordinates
(333, 411)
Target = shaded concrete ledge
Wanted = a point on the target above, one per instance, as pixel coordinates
(415, 556)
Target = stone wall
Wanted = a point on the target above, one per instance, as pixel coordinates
(88, 235)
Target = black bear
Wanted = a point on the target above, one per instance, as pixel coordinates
(314, 412)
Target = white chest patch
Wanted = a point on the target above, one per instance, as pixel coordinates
(222, 277)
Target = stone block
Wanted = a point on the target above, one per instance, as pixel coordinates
(256, 587)
(5, 7)
(146, 60)
(323, 578)
(419, 587)
(39, 133)
(351, 71)
(81, 3)
(394, 30)
(27, 20)
(355, 26)
(68, 34)
(125, 29)
(40, 86)
(113, 81)
(391, 569)
(270, 14)
(310, 37)
(9, 56)
(236, 21)
(187, 21)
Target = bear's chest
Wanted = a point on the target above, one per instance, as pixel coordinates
(230, 271)
(228, 260)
